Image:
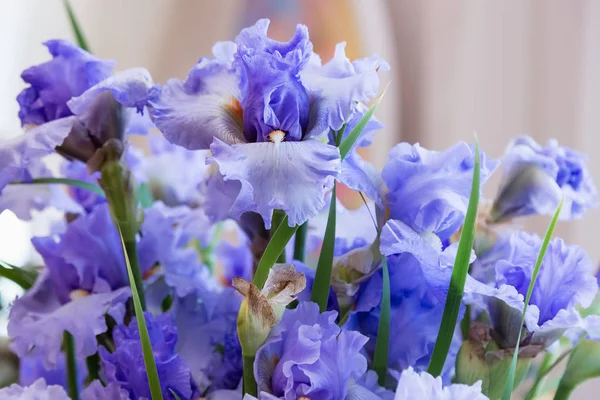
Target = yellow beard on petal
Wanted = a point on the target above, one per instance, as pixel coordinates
(277, 136)
(78, 294)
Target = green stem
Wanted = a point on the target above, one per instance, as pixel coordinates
(249, 382)
(563, 392)
(380, 361)
(540, 379)
(278, 217)
(69, 345)
(132, 254)
(300, 242)
(549, 363)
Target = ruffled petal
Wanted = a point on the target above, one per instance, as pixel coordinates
(130, 88)
(17, 154)
(23, 199)
(338, 86)
(96, 391)
(429, 190)
(37, 391)
(288, 176)
(423, 386)
(38, 320)
(208, 339)
(71, 72)
(206, 105)
(362, 176)
(87, 256)
(272, 95)
(125, 365)
(157, 171)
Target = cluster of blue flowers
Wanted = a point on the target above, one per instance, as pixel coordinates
(250, 140)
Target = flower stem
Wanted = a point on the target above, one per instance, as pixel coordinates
(550, 361)
(541, 377)
(300, 242)
(563, 392)
(69, 346)
(249, 383)
(132, 254)
(278, 216)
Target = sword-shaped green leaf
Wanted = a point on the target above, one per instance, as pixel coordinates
(150, 363)
(508, 388)
(459, 276)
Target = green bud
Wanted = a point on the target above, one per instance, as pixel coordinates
(471, 366)
(583, 364)
(121, 194)
(348, 271)
(262, 310)
(481, 359)
(499, 365)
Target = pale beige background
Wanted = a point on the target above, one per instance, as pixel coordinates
(500, 67)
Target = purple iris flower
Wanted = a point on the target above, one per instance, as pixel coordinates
(420, 274)
(31, 368)
(39, 390)
(261, 106)
(307, 354)
(126, 367)
(97, 391)
(75, 107)
(38, 320)
(71, 72)
(565, 282)
(185, 186)
(208, 339)
(429, 190)
(423, 386)
(536, 178)
(85, 276)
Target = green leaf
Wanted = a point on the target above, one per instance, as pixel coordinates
(64, 181)
(355, 133)
(320, 289)
(72, 380)
(149, 362)
(459, 276)
(276, 245)
(174, 394)
(300, 242)
(24, 277)
(508, 388)
(278, 216)
(81, 42)
(583, 364)
(380, 360)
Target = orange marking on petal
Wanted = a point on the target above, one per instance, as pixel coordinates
(234, 107)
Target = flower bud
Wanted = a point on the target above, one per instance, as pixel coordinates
(530, 191)
(262, 309)
(481, 359)
(349, 271)
(120, 189)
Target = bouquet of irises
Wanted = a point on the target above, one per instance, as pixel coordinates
(204, 253)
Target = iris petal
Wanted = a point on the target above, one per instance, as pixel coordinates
(288, 176)
(190, 113)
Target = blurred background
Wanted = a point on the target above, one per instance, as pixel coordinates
(498, 67)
